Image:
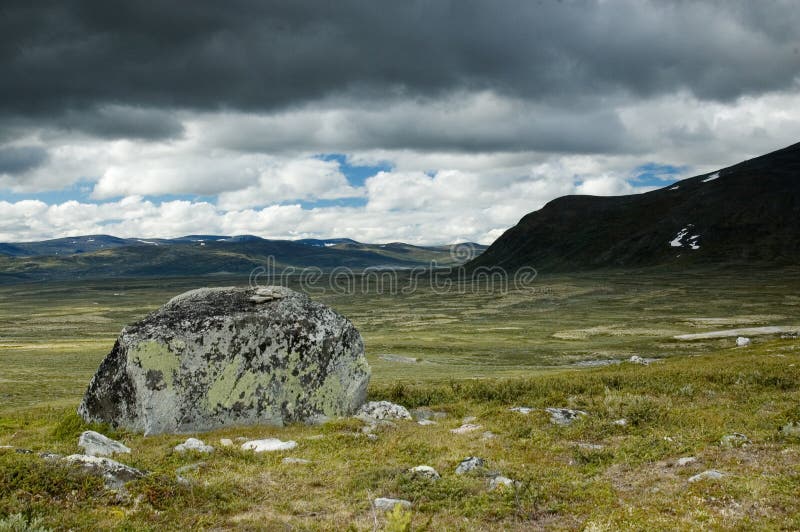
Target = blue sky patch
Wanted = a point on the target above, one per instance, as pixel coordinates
(657, 175)
(356, 175)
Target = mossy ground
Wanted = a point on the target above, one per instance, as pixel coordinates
(680, 406)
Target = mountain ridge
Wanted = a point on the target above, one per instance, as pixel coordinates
(747, 213)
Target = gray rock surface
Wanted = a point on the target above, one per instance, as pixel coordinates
(95, 444)
(115, 475)
(378, 410)
(425, 471)
(501, 482)
(736, 439)
(471, 463)
(193, 444)
(564, 416)
(385, 504)
(466, 428)
(711, 474)
(215, 357)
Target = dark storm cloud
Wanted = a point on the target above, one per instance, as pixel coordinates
(114, 122)
(18, 160)
(264, 55)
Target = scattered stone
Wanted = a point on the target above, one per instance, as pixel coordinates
(502, 482)
(589, 446)
(711, 474)
(23, 451)
(636, 359)
(95, 444)
(736, 439)
(686, 460)
(791, 429)
(115, 475)
(51, 457)
(621, 422)
(291, 460)
(385, 504)
(375, 410)
(488, 435)
(471, 463)
(742, 341)
(184, 469)
(564, 416)
(469, 419)
(193, 444)
(217, 357)
(425, 471)
(226, 442)
(425, 422)
(269, 444)
(522, 410)
(424, 413)
(398, 358)
(465, 428)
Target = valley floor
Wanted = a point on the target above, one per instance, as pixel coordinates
(477, 355)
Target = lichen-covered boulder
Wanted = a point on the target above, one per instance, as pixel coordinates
(230, 356)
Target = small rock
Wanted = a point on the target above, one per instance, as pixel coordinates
(193, 444)
(734, 440)
(95, 444)
(290, 460)
(589, 446)
(23, 451)
(424, 413)
(501, 482)
(791, 429)
(636, 359)
(742, 341)
(226, 442)
(425, 422)
(385, 504)
(522, 410)
(686, 460)
(269, 444)
(711, 474)
(382, 410)
(115, 475)
(470, 463)
(469, 419)
(425, 471)
(183, 469)
(621, 422)
(467, 427)
(488, 435)
(564, 416)
(50, 457)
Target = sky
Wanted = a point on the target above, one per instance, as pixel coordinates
(428, 122)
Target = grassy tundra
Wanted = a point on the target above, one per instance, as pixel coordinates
(478, 354)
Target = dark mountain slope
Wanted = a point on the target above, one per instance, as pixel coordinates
(749, 213)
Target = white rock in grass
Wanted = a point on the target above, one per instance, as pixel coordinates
(742, 341)
(226, 442)
(564, 416)
(470, 463)
(269, 444)
(736, 439)
(686, 460)
(426, 422)
(621, 422)
(193, 444)
(385, 504)
(501, 481)
(115, 475)
(711, 474)
(382, 410)
(466, 428)
(290, 460)
(522, 410)
(95, 444)
(425, 471)
(636, 359)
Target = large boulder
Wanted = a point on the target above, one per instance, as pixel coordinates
(230, 356)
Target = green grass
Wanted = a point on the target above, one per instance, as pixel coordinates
(52, 338)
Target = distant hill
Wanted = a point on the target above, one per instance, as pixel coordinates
(99, 256)
(748, 213)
